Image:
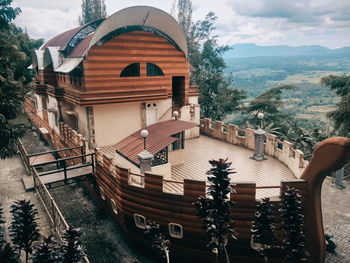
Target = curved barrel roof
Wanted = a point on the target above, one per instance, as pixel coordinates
(76, 42)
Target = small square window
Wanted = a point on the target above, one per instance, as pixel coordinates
(114, 206)
(140, 221)
(102, 193)
(175, 230)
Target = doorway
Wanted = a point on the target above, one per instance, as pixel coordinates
(178, 88)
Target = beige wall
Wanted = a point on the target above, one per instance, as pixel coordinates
(114, 122)
(193, 100)
(164, 110)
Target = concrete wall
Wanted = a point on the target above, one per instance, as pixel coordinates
(39, 105)
(114, 122)
(82, 120)
(52, 106)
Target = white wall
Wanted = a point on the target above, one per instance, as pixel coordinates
(114, 122)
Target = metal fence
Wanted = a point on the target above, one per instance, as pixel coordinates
(56, 218)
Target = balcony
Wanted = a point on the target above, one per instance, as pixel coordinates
(70, 82)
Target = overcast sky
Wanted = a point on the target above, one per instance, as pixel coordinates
(263, 22)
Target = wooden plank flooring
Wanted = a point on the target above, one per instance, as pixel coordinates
(200, 150)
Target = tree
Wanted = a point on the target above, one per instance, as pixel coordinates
(92, 10)
(158, 241)
(340, 116)
(215, 211)
(12, 86)
(46, 251)
(263, 230)
(294, 241)
(271, 104)
(24, 228)
(7, 253)
(218, 97)
(71, 250)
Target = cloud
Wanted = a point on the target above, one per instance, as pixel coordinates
(47, 22)
(266, 22)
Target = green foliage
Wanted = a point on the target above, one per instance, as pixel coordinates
(263, 230)
(158, 241)
(294, 242)
(24, 228)
(217, 97)
(46, 251)
(8, 254)
(340, 116)
(7, 13)
(215, 211)
(14, 77)
(271, 104)
(2, 229)
(92, 10)
(71, 249)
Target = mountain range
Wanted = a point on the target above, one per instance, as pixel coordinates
(252, 50)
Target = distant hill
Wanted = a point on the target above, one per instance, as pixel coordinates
(252, 50)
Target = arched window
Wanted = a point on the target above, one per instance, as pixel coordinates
(154, 70)
(132, 70)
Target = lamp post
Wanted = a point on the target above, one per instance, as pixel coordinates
(259, 135)
(145, 157)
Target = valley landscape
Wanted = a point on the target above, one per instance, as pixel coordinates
(300, 66)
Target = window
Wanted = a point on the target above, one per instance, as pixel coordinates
(114, 206)
(132, 70)
(179, 144)
(102, 193)
(154, 70)
(175, 230)
(140, 221)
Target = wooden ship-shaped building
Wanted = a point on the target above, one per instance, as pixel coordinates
(100, 84)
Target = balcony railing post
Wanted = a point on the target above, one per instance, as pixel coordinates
(65, 171)
(53, 213)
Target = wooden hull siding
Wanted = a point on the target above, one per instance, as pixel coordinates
(103, 66)
(164, 208)
(151, 202)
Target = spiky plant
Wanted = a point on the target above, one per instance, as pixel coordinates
(71, 250)
(158, 241)
(2, 228)
(215, 211)
(46, 251)
(294, 241)
(8, 254)
(24, 228)
(263, 229)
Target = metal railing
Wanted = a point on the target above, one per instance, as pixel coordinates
(57, 220)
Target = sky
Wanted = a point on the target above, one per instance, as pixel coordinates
(262, 22)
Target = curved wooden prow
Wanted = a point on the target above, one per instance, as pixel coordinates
(330, 155)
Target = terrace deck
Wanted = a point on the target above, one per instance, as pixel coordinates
(198, 151)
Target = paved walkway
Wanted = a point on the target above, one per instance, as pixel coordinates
(12, 189)
(336, 218)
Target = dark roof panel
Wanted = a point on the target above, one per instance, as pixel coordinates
(160, 136)
(62, 39)
(79, 50)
